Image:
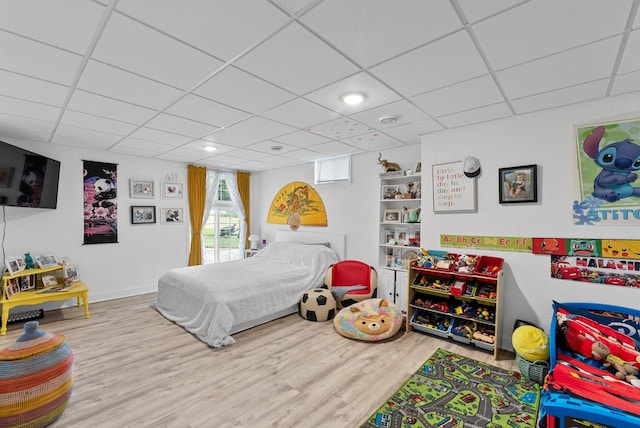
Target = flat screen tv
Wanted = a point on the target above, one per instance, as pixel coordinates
(27, 179)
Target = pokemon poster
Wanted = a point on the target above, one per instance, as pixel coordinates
(100, 204)
(608, 164)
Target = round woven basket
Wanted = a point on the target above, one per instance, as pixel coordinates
(36, 376)
(534, 371)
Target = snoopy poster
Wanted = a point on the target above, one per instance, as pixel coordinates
(100, 204)
(608, 165)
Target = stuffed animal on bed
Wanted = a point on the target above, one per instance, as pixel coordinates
(623, 370)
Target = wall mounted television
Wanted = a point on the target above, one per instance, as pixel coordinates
(27, 179)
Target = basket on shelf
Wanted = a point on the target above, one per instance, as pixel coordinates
(534, 371)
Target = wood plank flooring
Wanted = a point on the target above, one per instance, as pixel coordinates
(134, 368)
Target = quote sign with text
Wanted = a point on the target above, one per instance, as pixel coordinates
(452, 190)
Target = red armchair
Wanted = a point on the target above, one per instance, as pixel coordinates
(351, 281)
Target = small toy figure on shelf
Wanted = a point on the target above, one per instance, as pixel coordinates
(464, 328)
(28, 260)
(485, 314)
(484, 335)
(465, 309)
(466, 263)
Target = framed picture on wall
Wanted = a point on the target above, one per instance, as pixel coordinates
(172, 215)
(518, 184)
(143, 214)
(141, 189)
(172, 190)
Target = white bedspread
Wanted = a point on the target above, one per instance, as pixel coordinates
(210, 301)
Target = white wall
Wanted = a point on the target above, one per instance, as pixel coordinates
(144, 252)
(547, 139)
(352, 208)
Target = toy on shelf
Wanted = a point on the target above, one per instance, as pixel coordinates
(464, 309)
(458, 288)
(464, 328)
(434, 321)
(435, 259)
(466, 263)
(485, 313)
(488, 266)
(486, 291)
(484, 334)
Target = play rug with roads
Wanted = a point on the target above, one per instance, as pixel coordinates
(450, 390)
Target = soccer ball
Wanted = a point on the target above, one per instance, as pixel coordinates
(317, 304)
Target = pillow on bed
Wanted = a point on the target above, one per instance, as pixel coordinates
(298, 253)
(371, 320)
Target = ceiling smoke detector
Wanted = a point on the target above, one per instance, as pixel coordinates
(276, 148)
(388, 120)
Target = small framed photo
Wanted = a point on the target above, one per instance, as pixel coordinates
(13, 265)
(172, 215)
(71, 271)
(27, 282)
(389, 237)
(143, 214)
(171, 190)
(6, 174)
(45, 261)
(402, 235)
(418, 168)
(392, 216)
(390, 191)
(13, 287)
(49, 279)
(518, 184)
(141, 189)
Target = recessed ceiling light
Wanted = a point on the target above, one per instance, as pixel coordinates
(353, 98)
(388, 120)
(209, 148)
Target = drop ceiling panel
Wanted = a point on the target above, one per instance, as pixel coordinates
(158, 136)
(199, 144)
(300, 113)
(28, 88)
(68, 24)
(98, 105)
(297, 61)
(134, 47)
(97, 123)
(371, 31)
(28, 109)
(404, 111)
(257, 129)
(372, 141)
(37, 60)
(222, 28)
(305, 155)
(473, 93)
(424, 70)
(155, 147)
(631, 58)
(340, 128)
(178, 125)
(301, 139)
(25, 128)
(206, 111)
(410, 133)
(475, 10)
(560, 70)
(242, 90)
(483, 114)
(334, 148)
(626, 83)
(513, 37)
(375, 94)
(88, 137)
(561, 97)
(122, 85)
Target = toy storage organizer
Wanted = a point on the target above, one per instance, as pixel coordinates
(456, 301)
(562, 409)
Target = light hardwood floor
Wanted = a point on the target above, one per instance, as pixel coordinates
(134, 368)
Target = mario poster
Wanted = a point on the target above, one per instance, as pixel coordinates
(100, 204)
(608, 165)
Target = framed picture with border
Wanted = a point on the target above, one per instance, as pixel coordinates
(46, 260)
(172, 215)
(172, 190)
(392, 216)
(143, 214)
(518, 184)
(141, 189)
(71, 271)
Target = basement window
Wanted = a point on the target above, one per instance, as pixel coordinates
(331, 170)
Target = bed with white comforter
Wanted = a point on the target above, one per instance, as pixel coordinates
(215, 301)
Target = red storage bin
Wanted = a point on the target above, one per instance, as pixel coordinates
(488, 266)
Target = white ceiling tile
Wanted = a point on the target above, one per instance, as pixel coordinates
(268, 147)
(137, 48)
(301, 139)
(411, 132)
(560, 70)
(375, 94)
(257, 129)
(90, 137)
(69, 24)
(247, 154)
(25, 128)
(370, 31)
(372, 141)
(473, 93)
(475, 10)
(296, 60)
(178, 125)
(107, 107)
(257, 165)
(305, 155)
(561, 97)
(28, 109)
(134, 150)
(340, 128)
(404, 111)
(181, 155)
(483, 114)
(240, 89)
(158, 136)
(222, 28)
(115, 83)
(30, 89)
(300, 113)
(514, 37)
(37, 60)
(297, 7)
(334, 148)
(96, 123)
(199, 144)
(624, 83)
(226, 159)
(229, 137)
(631, 58)
(206, 111)
(81, 142)
(433, 66)
(145, 144)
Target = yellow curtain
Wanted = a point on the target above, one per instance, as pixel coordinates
(197, 188)
(244, 187)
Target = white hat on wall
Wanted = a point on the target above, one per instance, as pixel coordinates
(471, 166)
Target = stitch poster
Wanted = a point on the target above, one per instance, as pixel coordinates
(608, 165)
